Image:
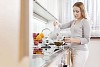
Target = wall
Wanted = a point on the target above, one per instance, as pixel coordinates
(50, 25)
(11, 28)
(38, 25)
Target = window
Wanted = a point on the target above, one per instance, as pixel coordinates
(93, 11)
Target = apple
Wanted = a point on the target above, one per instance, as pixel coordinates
(34, 35)
(37, 33)
(40, 41)
(40, 49)
(35, 42)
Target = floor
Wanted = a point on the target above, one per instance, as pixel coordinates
(94, 53)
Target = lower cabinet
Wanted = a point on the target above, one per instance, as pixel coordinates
(62, 60)
(56, 59)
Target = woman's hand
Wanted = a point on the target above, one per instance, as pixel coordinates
(56, 23)
(67, 40)
(72, 40)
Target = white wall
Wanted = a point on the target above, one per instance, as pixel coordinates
(10, 29)
(50, 25)
(38, 25)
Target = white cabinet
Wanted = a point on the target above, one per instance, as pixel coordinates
(43, 3)
(53, 7)
(51, 58)
(48, 9)
(61, 59)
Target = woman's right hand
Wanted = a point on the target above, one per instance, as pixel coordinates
(56, 23)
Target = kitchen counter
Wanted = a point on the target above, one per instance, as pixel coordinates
(50, 58)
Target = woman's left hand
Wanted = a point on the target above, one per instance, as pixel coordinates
(67, 40)
(72, 40)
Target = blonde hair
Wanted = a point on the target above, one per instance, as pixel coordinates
(82, 8)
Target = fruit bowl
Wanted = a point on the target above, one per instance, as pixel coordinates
(38, 51)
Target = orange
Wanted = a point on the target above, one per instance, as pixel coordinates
(42, 35)
(38, 37)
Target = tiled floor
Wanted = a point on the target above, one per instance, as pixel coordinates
(94, 53)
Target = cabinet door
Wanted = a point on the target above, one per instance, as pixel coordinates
(43, 3)
(53, 7)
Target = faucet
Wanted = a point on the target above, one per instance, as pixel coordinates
(45, 29)
(47, 33)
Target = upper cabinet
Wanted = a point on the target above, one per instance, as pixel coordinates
(47, 9)
(53, 7)
(43, 3)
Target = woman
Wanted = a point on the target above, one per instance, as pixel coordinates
(80, 35)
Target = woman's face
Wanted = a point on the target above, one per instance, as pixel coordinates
(77, 12)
